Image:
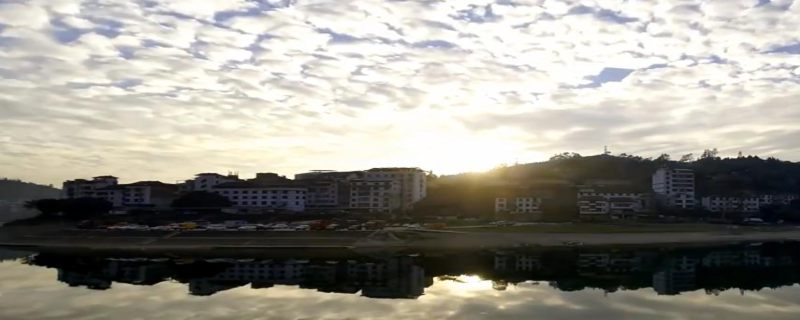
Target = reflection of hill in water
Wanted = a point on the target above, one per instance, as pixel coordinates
(666, 271)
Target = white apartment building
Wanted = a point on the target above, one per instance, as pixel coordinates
(519, 204)
(143, 194)
(374, 195)
(750, 204)
(254, 195)
(207, 181)
(599, 204)
(676, 186)
(411, 183)
(82, 188)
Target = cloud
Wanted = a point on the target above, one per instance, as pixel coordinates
(163, 89)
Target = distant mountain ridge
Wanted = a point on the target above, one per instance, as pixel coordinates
(16, 190)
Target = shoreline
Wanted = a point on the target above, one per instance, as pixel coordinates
(58, 239)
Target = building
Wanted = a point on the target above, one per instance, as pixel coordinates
(325, 194)
(678, 274)
(375, 195)
(143, 194)
(328, 190)
(411, 184)
(82, 188)
(676, 187)
(258, 195)
(723, 204)
(748, 204)
(378, 190)
(518, 205)
(207, 181)
(604, 202)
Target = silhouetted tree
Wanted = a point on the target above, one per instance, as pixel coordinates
(689, 157)
(709, 154)
(75, 208)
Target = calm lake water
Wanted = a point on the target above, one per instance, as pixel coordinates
(732, 282)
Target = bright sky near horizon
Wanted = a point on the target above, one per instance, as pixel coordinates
(164, 89)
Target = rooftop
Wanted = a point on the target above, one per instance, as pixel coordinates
(396, 169)
(258, 184)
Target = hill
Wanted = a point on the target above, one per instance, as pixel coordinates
(16, 190)
(472, 194)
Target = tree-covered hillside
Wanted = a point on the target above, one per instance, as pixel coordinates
(15, 190)
(473, 194)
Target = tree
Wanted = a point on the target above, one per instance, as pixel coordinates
(791, 212)
(201, 199)
(73, 208)
(663, 158)
(689, 157)
(47, 207)
(709, 154)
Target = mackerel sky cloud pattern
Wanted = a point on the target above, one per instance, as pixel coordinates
(164, 89)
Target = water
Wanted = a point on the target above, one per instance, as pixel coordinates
(731, 282)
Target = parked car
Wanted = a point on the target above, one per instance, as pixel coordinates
(216, 227)
(753, 221)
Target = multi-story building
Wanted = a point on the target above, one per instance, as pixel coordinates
(749, 204)
(82, 188)
(374, 195)
(598, 203)
(675, 186)
(255, 195)
(207, 181)
(328, 190)
(518, 204)
(143, 194)
(411, 184)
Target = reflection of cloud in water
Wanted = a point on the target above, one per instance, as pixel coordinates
(31, 293)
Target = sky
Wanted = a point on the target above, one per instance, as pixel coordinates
(160, 90)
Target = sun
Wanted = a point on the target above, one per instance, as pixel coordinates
(452, 153)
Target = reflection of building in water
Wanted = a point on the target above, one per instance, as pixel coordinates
(392, 278)
(609, 262)
(744, 258)
(500, 285)
(118, 271)
(677, 275)
(395, 278)
(667, 271)
(79, 279)
(516, 262)
(12, 254)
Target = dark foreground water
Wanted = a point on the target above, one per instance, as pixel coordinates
(733, 282)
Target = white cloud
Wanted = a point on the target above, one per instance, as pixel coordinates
(291, 86)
